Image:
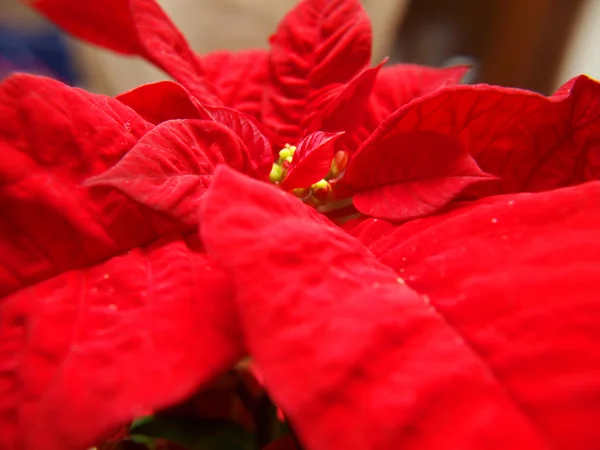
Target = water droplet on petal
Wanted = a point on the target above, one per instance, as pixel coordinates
(400, 280)
(426, 299)
(511, 202)
(127, 126)
(112, 307)
(494, 220)
(106, 276)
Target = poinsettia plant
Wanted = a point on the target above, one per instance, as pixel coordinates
(293, 249)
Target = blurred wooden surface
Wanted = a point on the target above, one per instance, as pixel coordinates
(516, 43)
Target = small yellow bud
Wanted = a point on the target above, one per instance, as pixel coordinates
(320, 185)
(339, 163)
(301, 193)
(286, 152)
(321, 190)
(277, 173)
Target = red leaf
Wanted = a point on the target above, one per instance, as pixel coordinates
(259, 148)
(132, 27)
(403, 175)
(533, 143)
(358, 360)
(172, 166)
(319, 45)
(396, 86)
(51, 138)
(519, 277)
(399, 84)
(343, 108)
(162, 101)
(239, 78)
(62, 346)
(311, 161)
(99, 346)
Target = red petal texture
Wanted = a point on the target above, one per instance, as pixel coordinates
(403, 175)
(66, 333)
(319, 45)
(239, 78)
(49, 224)
(259, 147)
(165, 100)
(161, 101)
(344, 107)
(399, 84)
(533, 143)
(132, 27)
(396, 86)
(519, 277)
(171, 167)
(358, 360)
(98, 346)
(312, 160)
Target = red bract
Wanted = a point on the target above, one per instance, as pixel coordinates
(488, 339)
(238, 78)
(316, 78)
(318, 46)
(475, 327)
(411, 173)
(107, 312)
(533, 143)
(162, 101)
(170, 168)
(311, 160)
(132, 27)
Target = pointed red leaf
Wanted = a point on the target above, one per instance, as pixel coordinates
(259, 147)
(358, 360)
(396, 86)
(399, 84)
(51, 138)
(239, 78)
(519, 277)
(132, 27)
(96, 347)
(343, 108)
(311, 161)
(533, 143)
(403, 175)
(319, 45)
(162, 101)
(170, 168)
(165, 100)
(74, 360)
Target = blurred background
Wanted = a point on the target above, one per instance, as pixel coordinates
(533, 44)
